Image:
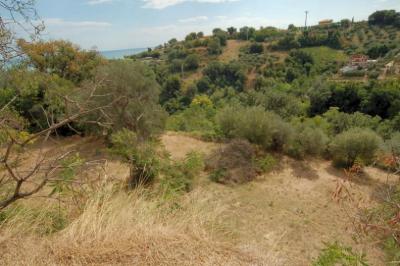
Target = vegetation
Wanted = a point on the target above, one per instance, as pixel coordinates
(262, 94)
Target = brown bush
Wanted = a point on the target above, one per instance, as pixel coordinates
(232, 164)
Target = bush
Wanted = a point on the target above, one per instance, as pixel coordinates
(354, 144)
(192, 62)
(214, 46)
(144, 164)
(266, 164)
(336, 254)
(232, 164)
(256, 48)
(255, 125)
(178, 176)
(307, 141)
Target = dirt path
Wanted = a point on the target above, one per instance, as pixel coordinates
(289, 214)
(231, 51)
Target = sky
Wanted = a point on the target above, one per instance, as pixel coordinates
(125, 24)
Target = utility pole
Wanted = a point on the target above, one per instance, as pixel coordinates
(305, 27)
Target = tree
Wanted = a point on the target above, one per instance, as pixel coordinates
(385, 17)
(61, 58)
(21, 16)
(200, 35)
(191, 36)
(214, 46)
(171, 89)
(134, 92)
(226, 75)
(20, 181)
(232, 31)
(247, 33)
(192, 62)
(379, 50)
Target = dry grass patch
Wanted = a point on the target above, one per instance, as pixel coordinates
(130, 229)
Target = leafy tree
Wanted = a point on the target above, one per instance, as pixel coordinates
(171, 89)
(224, 75)
(134, 92)
(192, 62)
(200, 35)
(247, 33)
(191, 36)
(377, 51)
(61, 58)
(221, 35)
(385, 17)
(214, 46)
(231, 31)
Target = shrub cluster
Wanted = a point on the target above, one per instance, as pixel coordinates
(232, 164)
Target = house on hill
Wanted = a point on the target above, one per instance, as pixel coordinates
(359, 60)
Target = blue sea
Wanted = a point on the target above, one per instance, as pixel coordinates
(119, 54)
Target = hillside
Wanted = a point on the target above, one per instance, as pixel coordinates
(257, 223)
(246, 147)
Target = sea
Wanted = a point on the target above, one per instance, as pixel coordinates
(119, 54)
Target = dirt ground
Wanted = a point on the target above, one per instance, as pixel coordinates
(290, 213)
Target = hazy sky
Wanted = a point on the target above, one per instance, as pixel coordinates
(121, 24)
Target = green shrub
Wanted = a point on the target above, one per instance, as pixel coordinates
(192, 62)
(195, 119)
(178, 176)
(141, 155)
(255, 125)
(256, 48)
(354, 144)
(232, 164)
(307, 141)
(336, 254)
(266, 164)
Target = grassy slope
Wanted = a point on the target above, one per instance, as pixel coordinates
(282, 218)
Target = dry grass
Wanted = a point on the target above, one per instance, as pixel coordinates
(121, 229)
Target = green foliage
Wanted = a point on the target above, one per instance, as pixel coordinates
(385, 17)
(61, 58)
(339, 121)
(307, 140)
(354, 144)
(255, 125)
(197, 119)
(177, 177)
(256, 48)
(336, 254)
(134, 93)
(284, 104)
(171, 89)
(225, 75)
(214, 46)
(142, 157)
(266, 164)
(192, 62)
(64, 183)
(377, 51)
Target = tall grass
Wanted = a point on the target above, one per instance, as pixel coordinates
(118, 228)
